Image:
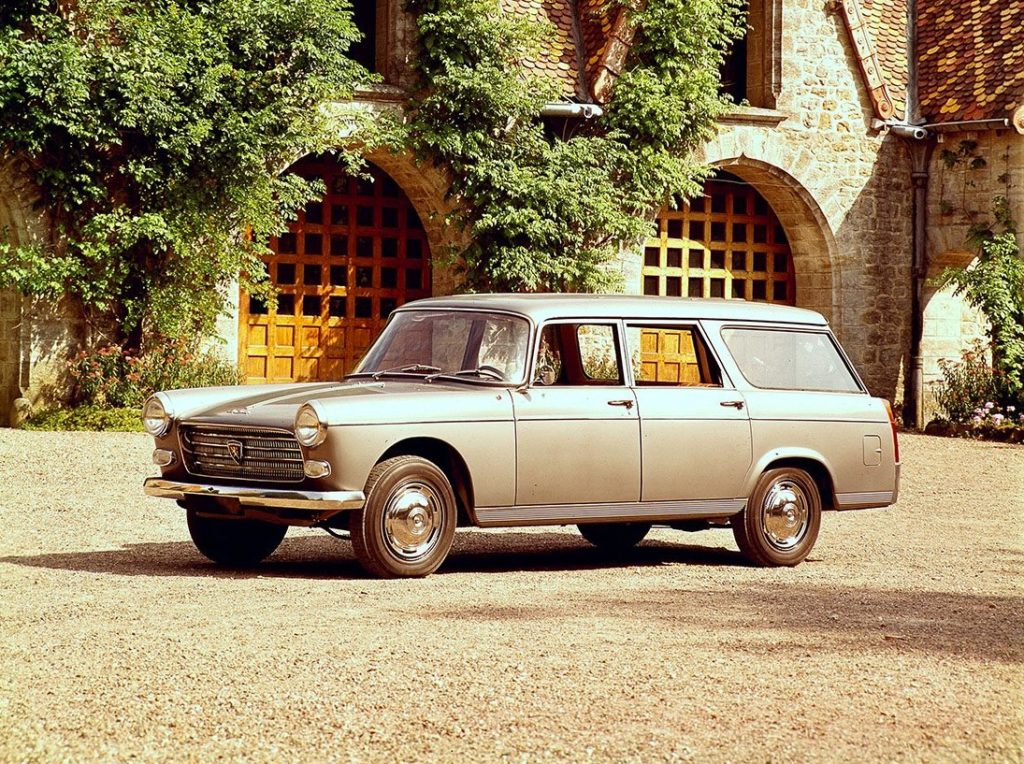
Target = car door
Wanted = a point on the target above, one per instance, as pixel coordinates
(577, 430)
(695, 430)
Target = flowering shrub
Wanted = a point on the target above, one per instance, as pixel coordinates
(115, 377)
(976, 400)
(966, 384)
(992, 415)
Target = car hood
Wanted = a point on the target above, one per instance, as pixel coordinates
(355, 401)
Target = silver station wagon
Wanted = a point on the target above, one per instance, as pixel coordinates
(609, 412)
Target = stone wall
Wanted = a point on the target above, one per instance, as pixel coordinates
(10, 350)
(967, 171)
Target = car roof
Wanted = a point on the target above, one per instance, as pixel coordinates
(546, 306)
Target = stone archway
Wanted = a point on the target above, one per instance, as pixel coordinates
(811, 240)
(346, 262)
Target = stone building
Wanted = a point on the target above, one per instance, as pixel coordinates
(869, 138)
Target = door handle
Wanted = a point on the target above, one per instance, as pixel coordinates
(628, 403)
(732, 404)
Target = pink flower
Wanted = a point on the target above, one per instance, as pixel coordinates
(990, 405)
(997, 419)
(976, 419)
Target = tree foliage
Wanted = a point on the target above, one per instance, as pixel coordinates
(994, 284)
(546, 211)
(157, 132)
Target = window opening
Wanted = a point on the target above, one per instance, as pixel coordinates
(671, 356)
(578, 354)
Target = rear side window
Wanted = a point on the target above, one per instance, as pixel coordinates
(790, 360)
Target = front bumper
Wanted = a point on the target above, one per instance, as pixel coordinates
(315, 501)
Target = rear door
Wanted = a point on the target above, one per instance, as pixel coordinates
(695, 432)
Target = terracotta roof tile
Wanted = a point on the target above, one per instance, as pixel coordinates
(971, 60)
(561, 60)
(605, 37)
(591, 40)
(887, 22)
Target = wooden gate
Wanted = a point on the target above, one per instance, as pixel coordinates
(344, 265)
(727, 243)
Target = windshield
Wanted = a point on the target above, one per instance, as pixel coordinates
(469, 345)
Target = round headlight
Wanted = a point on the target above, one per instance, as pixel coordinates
(155, 417)
(309, 429)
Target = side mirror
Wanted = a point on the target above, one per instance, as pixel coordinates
(546, 376)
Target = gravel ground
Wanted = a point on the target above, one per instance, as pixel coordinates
(901, 638)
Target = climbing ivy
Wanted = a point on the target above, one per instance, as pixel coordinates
(156, 132)
(545, 211)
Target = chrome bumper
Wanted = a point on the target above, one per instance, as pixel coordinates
(316, 501)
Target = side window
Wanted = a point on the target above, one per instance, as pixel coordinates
(578, 354)
(790, 360)
(598, 356)
(671, 356)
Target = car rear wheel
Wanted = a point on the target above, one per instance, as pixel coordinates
(408, 523)
(237, 543)
(614, 537)
(781, 520)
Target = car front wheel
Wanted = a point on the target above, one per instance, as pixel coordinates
(781, 520)
(408, 523)
(236, 543)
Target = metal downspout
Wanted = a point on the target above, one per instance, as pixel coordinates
(920, 145)
(920, 154)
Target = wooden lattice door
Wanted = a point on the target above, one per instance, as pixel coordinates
(668, 356)
(726, 243)
(344, 265)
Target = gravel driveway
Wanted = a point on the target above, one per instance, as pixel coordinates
(901, 638)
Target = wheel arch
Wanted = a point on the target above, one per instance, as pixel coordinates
(814, 464)
(450, 461)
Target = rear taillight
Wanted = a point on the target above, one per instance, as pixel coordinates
(895, 437)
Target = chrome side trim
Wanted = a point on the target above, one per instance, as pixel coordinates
(562, 514)
(865, 499)
(322, 501)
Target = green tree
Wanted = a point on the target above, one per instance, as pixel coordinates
(157, 132)
(994, 284)
(547, 211)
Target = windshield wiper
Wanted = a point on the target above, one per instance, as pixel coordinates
(411, 368)
(481, 371)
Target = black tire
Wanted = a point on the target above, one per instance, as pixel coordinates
(408, 523)
(236, 543)
(614, 537)
(780, 523)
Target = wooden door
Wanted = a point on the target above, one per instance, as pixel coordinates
(727, 243)
(343, 266)
(668, 356)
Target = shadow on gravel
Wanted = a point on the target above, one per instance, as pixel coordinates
(818, 617)
(791, 619)
(746, 613)
(324, 557)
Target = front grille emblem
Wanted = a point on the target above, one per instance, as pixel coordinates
(236, 450)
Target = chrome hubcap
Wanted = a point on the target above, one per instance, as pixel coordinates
(412, 520)
(784, 514)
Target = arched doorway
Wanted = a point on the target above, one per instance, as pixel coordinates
(344, 265)
(727, 243)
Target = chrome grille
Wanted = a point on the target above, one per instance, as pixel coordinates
(245, 453)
